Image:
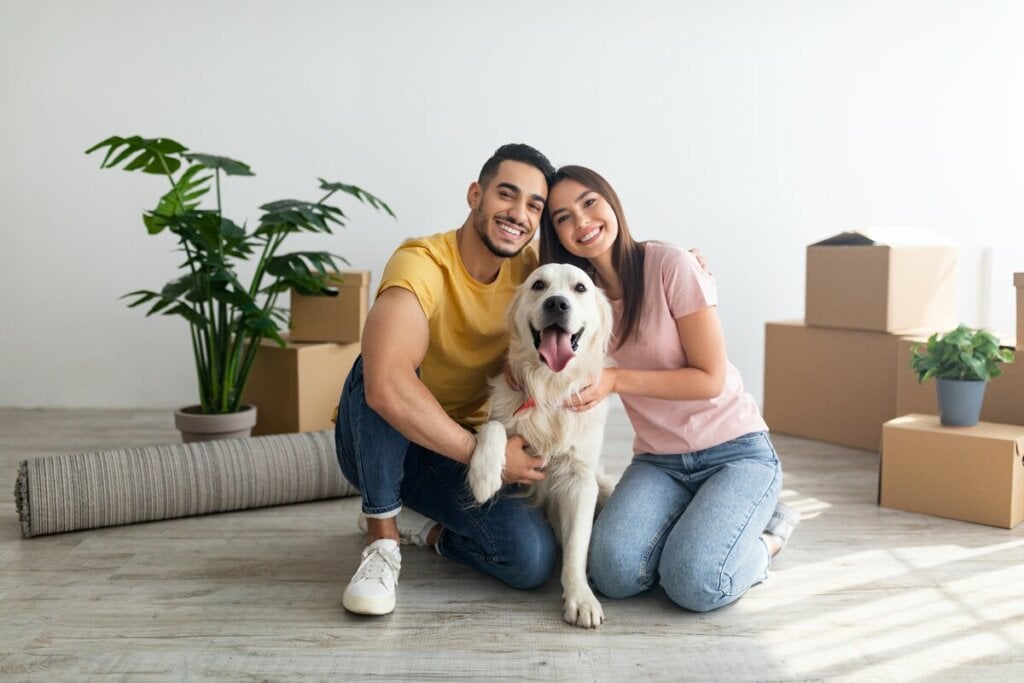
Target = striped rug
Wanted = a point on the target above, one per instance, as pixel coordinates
(108, 488)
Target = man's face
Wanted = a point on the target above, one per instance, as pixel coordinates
(507, 212)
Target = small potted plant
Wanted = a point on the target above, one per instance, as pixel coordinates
(227, 318)
(962, 362)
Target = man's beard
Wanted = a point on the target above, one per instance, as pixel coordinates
(480, 223)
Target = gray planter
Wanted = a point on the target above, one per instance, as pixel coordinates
(960, 401)
(197, 426)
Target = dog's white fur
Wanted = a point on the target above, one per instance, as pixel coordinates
(567, 443)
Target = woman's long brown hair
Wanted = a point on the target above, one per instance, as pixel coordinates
(627, 254)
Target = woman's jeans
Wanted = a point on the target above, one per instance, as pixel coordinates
(691, 522)
(505, 538)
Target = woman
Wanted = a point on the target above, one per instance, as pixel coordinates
(695, 511)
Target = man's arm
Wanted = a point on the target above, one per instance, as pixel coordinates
(394, 343)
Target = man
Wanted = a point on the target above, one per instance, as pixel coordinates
(404, 435)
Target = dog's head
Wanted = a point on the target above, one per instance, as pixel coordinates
(560, 313)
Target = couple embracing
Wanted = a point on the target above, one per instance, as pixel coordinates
(696, 511)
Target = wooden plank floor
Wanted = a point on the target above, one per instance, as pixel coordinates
(861, 593)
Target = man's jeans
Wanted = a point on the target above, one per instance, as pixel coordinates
(691, 522)
(505, 538)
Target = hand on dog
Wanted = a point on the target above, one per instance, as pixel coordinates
(520, 466)
(591, 395)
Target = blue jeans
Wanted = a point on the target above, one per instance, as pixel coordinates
(505, 538)
(691, 522)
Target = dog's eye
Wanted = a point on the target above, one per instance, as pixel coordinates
(580, 287)
(538, 285)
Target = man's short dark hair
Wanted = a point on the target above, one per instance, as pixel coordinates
(516, 151)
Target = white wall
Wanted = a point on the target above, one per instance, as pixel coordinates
(748, 129)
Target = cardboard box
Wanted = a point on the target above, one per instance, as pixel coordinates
(1004, 395)
(831, 385)
(1018, 282)
(338, 316)
(296, 388)
(975, 474)
(882, 280)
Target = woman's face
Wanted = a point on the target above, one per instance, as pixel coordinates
(583, 219)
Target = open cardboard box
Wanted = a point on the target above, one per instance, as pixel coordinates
(882, 279)
(975, 474)
(337, 316)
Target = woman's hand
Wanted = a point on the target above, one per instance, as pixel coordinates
(592, 395)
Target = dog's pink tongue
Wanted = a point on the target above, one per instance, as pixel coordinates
(555, 348)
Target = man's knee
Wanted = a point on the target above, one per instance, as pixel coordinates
(531, 558)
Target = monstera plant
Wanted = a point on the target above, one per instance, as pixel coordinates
(227, 317)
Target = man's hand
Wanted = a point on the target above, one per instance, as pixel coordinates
(520, 466)
(703, 262)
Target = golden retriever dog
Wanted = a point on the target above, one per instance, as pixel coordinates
(560, 325)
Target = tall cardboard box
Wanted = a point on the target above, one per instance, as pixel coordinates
(1018, 282)
(296, 388)
(882, 280)
(337, 316)
(831, 385)
(1004, 395)
(975, 474)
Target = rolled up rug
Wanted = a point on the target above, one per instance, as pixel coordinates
(108, 488)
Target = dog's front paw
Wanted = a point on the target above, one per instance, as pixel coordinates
(583, 610)
(488, 461)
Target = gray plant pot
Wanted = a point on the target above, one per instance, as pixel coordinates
(197, 426)
(960, 401)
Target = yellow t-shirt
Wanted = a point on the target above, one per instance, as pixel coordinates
(468, 338)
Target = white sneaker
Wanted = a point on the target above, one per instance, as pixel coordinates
(413, 528)
(782, 523)
(372, 589)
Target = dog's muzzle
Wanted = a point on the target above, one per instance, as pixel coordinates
(555, 344)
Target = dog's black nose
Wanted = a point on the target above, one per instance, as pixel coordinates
(556, 303)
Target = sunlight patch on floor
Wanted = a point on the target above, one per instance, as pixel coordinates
(925, 631)
(927, 663)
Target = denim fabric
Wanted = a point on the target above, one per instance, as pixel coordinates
(691, 522)
(505, 538)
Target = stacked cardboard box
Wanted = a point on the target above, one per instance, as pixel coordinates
(336, 316)
(296, 388)
(832, 377)
(975, 474)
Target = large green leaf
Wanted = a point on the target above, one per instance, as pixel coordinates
(149, 155)
(292, 215)
(358, 193)
(229, 166)
(961, 354)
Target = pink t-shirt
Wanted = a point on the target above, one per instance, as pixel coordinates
(676, 286)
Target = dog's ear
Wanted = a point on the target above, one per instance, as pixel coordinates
(511, 324)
